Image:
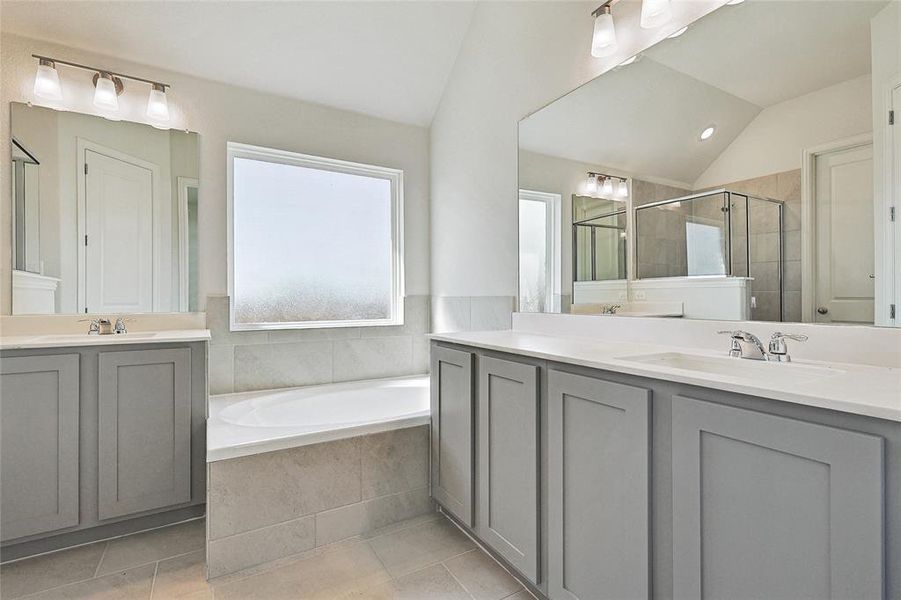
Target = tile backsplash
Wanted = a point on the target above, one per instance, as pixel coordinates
(258, 360)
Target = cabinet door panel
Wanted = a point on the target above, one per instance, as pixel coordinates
(452, 431)
(598, 471)
(39, 416)
(145, 430)
(508, 462)
(771, 507)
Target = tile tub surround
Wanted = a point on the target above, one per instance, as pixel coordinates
(268, 506)
(424, 558)
(243, 361)
(471, 313)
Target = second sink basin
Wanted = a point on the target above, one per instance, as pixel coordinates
(755, 370)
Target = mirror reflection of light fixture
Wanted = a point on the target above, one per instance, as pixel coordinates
(158, 104)
(591, 186)
(655, 13)
(106, 91)
(607, 188)
(603, 40)
(46, 81)
(622, 190)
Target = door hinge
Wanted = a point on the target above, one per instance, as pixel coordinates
(891, 213)
(86, 168)
(891, 311)
(86, 240)
(891, 117)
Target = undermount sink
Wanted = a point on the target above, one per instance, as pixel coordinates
(754, 370)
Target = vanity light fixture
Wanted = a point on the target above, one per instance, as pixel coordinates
(46, 81)
(622, 190)
(591, 186)
(603, 40)
(708, 132)
(655, 13)
(108, 86)
(607, 188)
(678, 32)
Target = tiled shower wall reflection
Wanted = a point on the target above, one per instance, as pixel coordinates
(259, 360)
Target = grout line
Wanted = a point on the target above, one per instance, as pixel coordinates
(156, 569)
(460, 583)
(100, 562)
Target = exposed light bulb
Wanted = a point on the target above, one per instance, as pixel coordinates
(655, 13)
(105, 96)
(603, 41)
(622, 190)
(158, 104)
(708, 132)
(607, 188)
(591, 186)
(678, 32)
(46, 81)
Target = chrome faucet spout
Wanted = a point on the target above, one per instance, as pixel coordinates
(745, 345)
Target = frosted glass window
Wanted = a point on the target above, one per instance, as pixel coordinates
(705, 249)
(314, 242)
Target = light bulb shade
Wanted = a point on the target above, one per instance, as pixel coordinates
(622, 190)
(607, 188)
(105, 96)
(603, 41)
(655, 13)
(158, 104)
(46, 82)
(591, 186)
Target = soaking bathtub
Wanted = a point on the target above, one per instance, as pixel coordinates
(247, 423)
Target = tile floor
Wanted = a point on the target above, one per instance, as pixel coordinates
(426, 558)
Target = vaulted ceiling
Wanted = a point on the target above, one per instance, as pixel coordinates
(386, 59)
(645, 118)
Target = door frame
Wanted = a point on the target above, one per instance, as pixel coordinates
(554, 207)
(808, 215)
(183, 280)
(81, 186)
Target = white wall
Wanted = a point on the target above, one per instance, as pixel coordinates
(220, 113)
(517, 57)
(774, 140)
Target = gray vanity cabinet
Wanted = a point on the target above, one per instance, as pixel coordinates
(452, 431)
(771, 507)
(507, 516)
(145, 430)
(38, 444)
(598, 489)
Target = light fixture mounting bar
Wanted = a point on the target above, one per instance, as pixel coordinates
(606, 176)
(605, 6)
(99, 70)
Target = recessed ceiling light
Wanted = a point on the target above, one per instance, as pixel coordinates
(628, 61)
(677, 33)
(708, 132)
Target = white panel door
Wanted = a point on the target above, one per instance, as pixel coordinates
(119, 243)
(844, 234)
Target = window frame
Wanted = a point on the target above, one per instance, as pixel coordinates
(394, 176)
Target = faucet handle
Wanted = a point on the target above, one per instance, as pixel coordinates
(120, 328)
(778, 350)
(735, 348)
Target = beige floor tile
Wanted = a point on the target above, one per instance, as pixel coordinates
(151, 546)
(182, 577)
(407, 524)
(521, 595)
(131, 584)
(328, 573)
(431, 583)
(51, 570)
(411, 549)
(482, 576)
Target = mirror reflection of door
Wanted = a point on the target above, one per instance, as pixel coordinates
(539, 251)
(119, 235)
(844, 260)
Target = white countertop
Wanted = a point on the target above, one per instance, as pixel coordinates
(851, 388)
(18, 342)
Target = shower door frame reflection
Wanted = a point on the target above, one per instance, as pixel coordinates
(593, 245)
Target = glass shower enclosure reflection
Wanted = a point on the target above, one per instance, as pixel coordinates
(716, 233)
(599, 239)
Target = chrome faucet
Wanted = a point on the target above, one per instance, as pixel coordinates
(120, 328)
(778, 351)
(745, 345)
(100, 326)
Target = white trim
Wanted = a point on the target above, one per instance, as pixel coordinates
(890, 270)
(285, 157)
(808, 216)
(183, 184)
(83, 145)
(554, 221)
